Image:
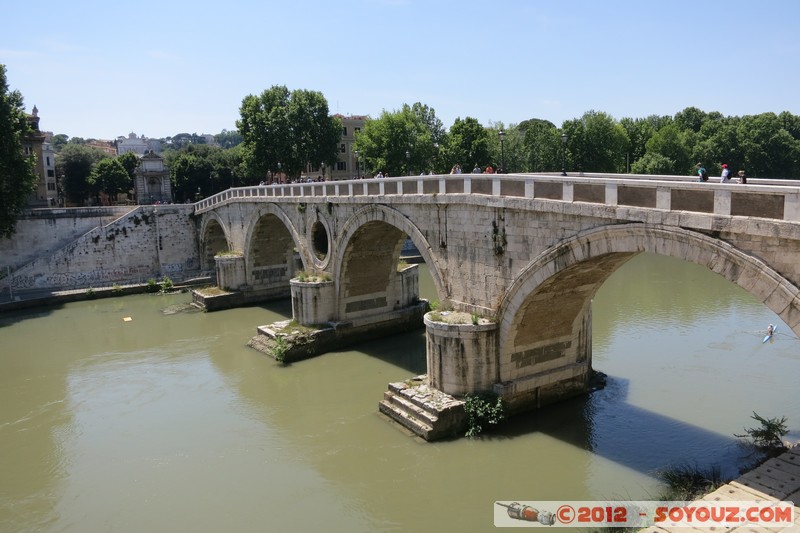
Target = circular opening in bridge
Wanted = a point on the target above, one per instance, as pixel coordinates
(319, 240)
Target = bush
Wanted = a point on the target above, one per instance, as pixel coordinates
(686, 483)
(769, 436)
(166, 284)
(280, 349)
(483, 409)
(152, 285)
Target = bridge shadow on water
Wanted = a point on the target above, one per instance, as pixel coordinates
(605, 424)
(602, 422)
(405, 350)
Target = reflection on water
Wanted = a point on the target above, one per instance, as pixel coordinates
(169, 422)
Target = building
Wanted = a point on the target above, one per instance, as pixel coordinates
(152, 180)
(138, 145)
(33, 144)
(346, 168)
(107, 147)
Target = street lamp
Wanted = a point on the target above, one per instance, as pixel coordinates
(279, 172)
(358, 165)
(563, 154)
(408, 163)
(322, 165)
(502, 135)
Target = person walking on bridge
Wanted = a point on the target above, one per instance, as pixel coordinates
(726, 174)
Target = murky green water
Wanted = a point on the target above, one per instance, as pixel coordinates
(168, 422)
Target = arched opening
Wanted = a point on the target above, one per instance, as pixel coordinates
(368, 275)
(214, 242)
(319, 240)
(545, 328)
(271, 257)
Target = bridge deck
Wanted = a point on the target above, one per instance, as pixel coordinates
(771, 199)
(777, 479)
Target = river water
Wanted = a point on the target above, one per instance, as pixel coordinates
(168, 422)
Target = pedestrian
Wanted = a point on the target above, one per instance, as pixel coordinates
(489, 170)
(701, 172)
(726, 174)
(477, 169)
(742, 177)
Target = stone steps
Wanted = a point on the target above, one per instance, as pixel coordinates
(405, 419)
(429, 413)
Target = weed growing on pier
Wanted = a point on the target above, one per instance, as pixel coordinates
(483, 409)
(280, 348)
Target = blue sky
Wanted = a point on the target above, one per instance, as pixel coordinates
(104, 69)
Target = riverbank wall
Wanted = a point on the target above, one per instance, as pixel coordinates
(148, 242)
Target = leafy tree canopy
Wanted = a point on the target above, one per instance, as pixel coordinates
(17, 176)
(292, 129)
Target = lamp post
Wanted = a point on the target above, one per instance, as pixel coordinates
(563, 154)
(322, 166)
(408, 163)
(502, 135)
(358, 166)
(279, 172)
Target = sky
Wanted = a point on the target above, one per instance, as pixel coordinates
(106, 69)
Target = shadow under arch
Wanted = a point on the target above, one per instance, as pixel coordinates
(575, 268)
(253, 227)
(214, 238)
(380, 213)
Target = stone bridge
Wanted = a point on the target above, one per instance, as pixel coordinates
(522, 255)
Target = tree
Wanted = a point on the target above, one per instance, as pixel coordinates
(413, 130)
(75, 162)
(130, 162)
(228, 139)
(293, 129)
(110, 176)
(542, 144)
(596, 143)
(58, 141)
(17, 176)
(468, 144)
(667, 152)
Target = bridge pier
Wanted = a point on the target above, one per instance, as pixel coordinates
(550, 369)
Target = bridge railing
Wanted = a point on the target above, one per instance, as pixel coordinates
(773, 199)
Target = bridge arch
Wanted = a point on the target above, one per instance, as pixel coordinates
(214, 238)
(269, 244)
(549, 302)
(389, 229)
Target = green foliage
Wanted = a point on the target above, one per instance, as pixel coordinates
(290, 128)
(166, 284)
(75, 162)
(90, 293)
(279, 349)
(475, 318)
(384, 141)
(110, 176)
(116, 288)
(17, 176)
(687, 483)
(482, 410)
(468, 144)
(152, 285)
(768, 436)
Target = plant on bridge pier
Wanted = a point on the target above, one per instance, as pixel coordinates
(307, 277)
(483, 409)
(280, 348)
